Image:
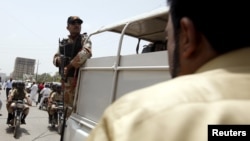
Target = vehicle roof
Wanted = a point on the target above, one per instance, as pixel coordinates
(149, 26)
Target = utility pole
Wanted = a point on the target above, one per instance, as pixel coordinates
(37, 69)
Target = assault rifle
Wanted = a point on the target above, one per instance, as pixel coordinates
(64, 62)
(63, 59)
(64, 123)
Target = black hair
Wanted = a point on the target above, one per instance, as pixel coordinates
(225, 24)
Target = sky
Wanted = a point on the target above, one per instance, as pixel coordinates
(32, 28)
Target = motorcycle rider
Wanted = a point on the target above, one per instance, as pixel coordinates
(55, 97)
(14, 86)
(14, 83)
(18, 93)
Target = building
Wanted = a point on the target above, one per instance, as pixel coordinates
(3, 77)
(23, 66)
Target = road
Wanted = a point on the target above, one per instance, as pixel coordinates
(36, 128)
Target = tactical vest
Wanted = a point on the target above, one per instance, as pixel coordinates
(18, 94)
(57, 97)
(69, 51)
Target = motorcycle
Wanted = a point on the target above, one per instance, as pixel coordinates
(17, 116)
(57, 118)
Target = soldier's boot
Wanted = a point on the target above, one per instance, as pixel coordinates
(50, 119)
(23, 119)
(10, 116)
(54, 118)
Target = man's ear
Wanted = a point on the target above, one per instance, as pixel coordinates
(67, 27)
(188, 39)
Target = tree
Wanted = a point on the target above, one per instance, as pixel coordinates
(47, 77)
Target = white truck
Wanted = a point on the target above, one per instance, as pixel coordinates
(104, 79)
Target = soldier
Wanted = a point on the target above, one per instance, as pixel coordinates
(54, 98)
(73, 52)
(18, 93)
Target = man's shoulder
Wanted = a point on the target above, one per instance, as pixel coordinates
(47, 89)
(13, 90)
(53, 93)
(193, 117)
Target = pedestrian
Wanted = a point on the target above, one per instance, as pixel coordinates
(33, 93)
(75, 49)
(40, 87)
(208, 53)
(45, 92)
(8, 86)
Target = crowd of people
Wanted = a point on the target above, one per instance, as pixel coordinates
(17, 90)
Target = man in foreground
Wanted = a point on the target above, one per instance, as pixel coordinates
(209, 53)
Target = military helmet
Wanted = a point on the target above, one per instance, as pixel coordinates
(53, 86)
(46, 85)
(14, 84)
(20, 85)
(72, 19)
(58, 87)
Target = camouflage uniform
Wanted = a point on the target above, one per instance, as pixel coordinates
(16, 95)
(77, 52)
(54, 97)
